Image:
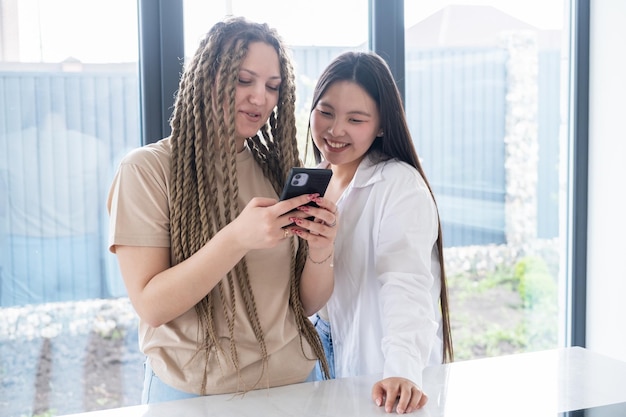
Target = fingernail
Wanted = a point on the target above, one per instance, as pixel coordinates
(378, 402)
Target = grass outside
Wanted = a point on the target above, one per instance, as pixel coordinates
(507, 309)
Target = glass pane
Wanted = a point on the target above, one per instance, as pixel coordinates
(315, 36)
(69, 109)
(483, 96)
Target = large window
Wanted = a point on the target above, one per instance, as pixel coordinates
(69, 106)
(485, 92)
(483, 98)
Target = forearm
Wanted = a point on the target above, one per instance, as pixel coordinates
(409, 324)
(162, 296)
(317, 282)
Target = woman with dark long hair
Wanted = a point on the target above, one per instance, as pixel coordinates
(388, 313)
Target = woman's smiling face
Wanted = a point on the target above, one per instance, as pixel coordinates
(344, 123)
(256, 93)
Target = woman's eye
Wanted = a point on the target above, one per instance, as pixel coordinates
(324, 113)
(245, 82)
(273, 87)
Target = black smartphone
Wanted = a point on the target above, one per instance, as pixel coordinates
(306, 181)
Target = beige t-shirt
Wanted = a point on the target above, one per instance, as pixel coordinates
(139, 216)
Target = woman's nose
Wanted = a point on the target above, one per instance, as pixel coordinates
(257, 96)
(336, 128)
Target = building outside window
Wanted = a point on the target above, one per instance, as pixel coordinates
(484, 98)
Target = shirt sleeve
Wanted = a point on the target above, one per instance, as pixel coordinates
(406, 241)
(138, 208)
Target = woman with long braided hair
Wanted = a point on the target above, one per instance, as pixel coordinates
(222, 275)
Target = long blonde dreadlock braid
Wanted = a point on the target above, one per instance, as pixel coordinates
(203, 144)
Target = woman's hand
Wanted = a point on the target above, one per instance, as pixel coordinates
(409, 396)
(320, 232)
(264, 222)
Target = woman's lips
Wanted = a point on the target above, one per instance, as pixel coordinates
(335, 146)
(251, 115)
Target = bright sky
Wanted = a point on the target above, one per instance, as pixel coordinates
(50, 32)
(544, 14)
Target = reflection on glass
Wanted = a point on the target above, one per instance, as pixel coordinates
(69, 94)
(56, 177)
(482, 99)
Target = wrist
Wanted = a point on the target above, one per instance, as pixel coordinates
(229, 237)
(323, 260)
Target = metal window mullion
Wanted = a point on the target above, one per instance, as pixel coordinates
(579, 159)
(161, 55)
(386, 36)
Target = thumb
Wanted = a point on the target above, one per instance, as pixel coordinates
(378, 394)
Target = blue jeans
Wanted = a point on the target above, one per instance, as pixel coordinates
(323, 330)
(156, 391)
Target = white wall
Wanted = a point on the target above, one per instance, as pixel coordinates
(606, 264)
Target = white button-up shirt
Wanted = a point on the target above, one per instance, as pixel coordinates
(384, 310)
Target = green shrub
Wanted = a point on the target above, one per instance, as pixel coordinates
(536, 286)
(538, 291)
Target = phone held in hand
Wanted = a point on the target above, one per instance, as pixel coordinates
(306, 181)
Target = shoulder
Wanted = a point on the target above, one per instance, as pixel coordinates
(158, 152)
(400, 174)
(151, 160)
(146, 168)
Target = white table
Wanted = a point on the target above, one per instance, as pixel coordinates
(536, 384)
